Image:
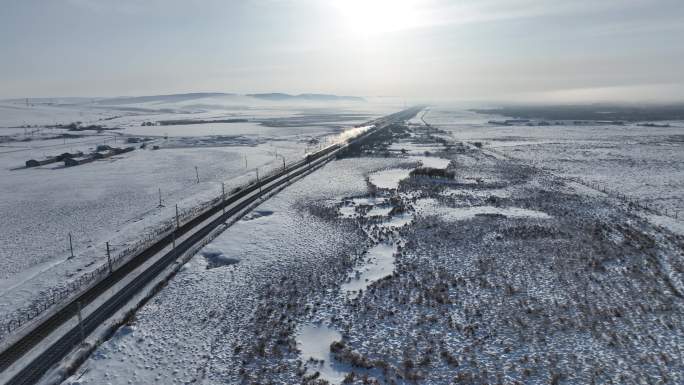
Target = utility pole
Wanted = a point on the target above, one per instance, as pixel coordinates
(71, 246)
(223, 196)
(177, 220)
(80, 322)
(245, 161)
(197, 173)
(258, 183)
(160, 198)
(109, 258)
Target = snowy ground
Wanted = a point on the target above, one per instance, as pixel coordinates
(116, 199)
(284, 245)
(643, 162)
(369, 271)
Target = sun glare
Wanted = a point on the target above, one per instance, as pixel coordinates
(374, 17)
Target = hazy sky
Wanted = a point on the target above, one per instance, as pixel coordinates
(458, 49)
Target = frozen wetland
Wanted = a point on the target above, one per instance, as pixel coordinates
(378, 263)
(492, 270)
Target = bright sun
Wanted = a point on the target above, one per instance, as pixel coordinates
(374, 17)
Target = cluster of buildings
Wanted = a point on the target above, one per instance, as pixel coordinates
(78, 158)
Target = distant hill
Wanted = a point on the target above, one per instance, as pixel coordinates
(185, 97)
(161, 98)
(306, 97)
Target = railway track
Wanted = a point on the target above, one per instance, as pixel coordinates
(195, 229)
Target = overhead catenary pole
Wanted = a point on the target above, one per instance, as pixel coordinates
(223, 196)
(109, 258)
(71, 246)
(177, 220)
(258, 183)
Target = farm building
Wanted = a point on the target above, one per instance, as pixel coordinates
(52, 159)
(124, 150)
(36, 163)
(69, 155)
(75, 161)
(70, 162)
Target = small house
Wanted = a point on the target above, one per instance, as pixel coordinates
(65, 155)
(70, 162)
(36, 163)
(122, 150)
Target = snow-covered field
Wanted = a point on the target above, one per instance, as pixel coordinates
(280, 249)
(371, 271)
(116, 199)
(642, 162)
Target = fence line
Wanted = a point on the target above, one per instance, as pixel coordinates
(46, 299)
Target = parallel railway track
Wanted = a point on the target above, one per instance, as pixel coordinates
(232, 205)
